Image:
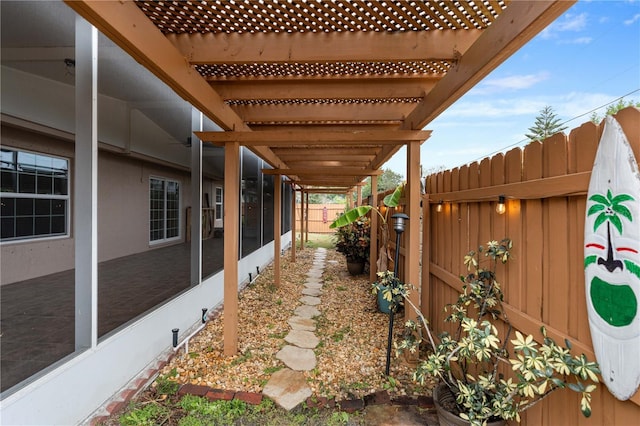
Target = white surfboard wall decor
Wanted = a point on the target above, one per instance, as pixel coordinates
(612, 261)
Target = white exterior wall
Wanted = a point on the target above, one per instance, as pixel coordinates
(123, 179)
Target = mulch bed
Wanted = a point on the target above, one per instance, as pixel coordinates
(353, 333)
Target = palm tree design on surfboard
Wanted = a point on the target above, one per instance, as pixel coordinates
(612, 261)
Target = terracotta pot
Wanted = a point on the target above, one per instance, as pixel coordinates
(442, 394)
(355, 268)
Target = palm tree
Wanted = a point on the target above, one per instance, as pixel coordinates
(609, 209)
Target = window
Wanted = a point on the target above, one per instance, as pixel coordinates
(34, 195)
(164, 209)
(218, 203)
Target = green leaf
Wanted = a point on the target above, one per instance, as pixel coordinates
(633, 268)
(616, 222)
(393, 199)
(589, 260)
(599, 199)
(623, 210)
(350, 216)
(621, 198)
(602, 218)
(595, 209)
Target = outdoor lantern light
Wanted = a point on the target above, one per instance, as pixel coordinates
(398, 222)
(500, 207)
(398, 226)
(439, 206)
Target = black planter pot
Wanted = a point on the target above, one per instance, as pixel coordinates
(441, 395)
(355, 267)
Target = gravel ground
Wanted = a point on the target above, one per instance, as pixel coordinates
(351, 355)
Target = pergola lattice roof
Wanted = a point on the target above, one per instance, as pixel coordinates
(328, 89)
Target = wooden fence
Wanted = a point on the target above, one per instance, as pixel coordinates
(321, 216)
(545, 185)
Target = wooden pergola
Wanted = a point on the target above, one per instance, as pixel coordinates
(324, 91)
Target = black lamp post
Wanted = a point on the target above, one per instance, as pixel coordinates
(398, 226)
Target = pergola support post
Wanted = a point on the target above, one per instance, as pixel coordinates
(412, 236)
(306, 217)
(293, 224)
(373, 251)
(277, 218)
(426, 258)
(231, 213)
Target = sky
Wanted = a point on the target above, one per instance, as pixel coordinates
(586, 59)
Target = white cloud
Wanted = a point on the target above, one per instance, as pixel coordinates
(514, 82)
(578, 40)
(633, 19)
(569, 22)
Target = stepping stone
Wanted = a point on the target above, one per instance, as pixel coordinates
(311, 291)
(287, 388)
(306, 311)
(316, 286)
(310, 300)
(299, 359)
(314, 281)
(299, 323)
(302, 339)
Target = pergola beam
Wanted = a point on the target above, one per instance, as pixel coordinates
(369, 46)
(347, 88)
(324, 171)
(518, 24)
(386, 111)
(300, 137)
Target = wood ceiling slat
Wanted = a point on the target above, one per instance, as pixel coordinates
(302, 112)
(321, 89)
(367, 47)
(320, 15)
(335, 17)
(361, 11)
(402, 10)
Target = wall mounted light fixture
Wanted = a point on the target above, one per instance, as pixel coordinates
(439, 206)
(501, 208)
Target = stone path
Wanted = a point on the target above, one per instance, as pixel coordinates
(288, 387)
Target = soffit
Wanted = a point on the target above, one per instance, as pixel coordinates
(288, 70)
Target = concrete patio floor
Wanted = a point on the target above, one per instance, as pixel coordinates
(37, 316)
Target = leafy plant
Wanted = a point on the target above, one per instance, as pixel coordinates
(166, 386)
(393, 290)
(354, 240)
(468, 361)
(148, 414)
(212, 412)
(354, 215)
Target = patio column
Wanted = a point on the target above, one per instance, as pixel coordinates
(426, 258)
(301, 220)
(349, 200)
(231, 230)
(412, 235)
(196, 199)
(85, 202)
(359, 194)
(293, 224)
(306, 219)
(277, 218)
(373, 251)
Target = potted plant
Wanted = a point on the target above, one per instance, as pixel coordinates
(353, 241)
(389, 290)
(357, 213)
(467, 362)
